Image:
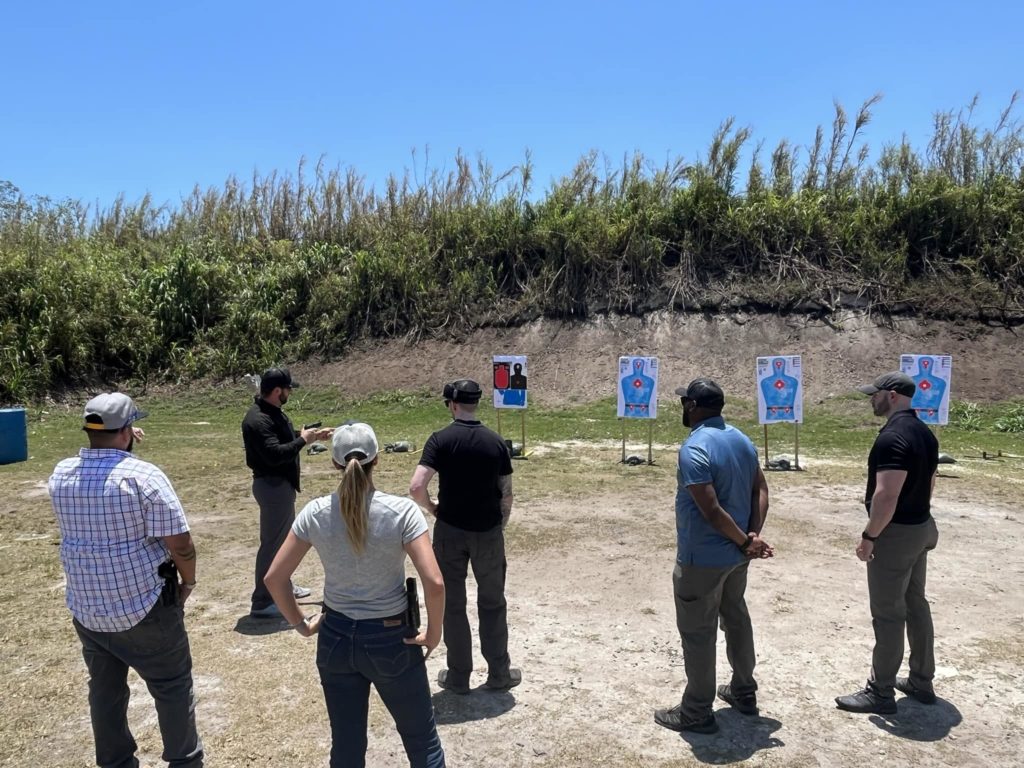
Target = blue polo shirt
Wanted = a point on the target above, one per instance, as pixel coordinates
(719, 454)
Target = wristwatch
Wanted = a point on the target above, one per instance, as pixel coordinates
(867, 537)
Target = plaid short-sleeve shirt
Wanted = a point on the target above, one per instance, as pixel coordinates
(112, 510)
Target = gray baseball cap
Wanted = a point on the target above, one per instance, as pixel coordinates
(111, 411)
(357, 438)
(895, 381)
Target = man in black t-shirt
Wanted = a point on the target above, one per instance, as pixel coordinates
(895, 545)
(474, 501)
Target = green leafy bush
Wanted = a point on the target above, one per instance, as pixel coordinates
(965, 415)
(1012, 421)
(285, 267)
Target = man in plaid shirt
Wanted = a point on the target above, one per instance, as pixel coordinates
(120, 523)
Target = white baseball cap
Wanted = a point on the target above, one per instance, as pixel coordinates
(354, 438)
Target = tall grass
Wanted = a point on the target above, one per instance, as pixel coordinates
(286, 266)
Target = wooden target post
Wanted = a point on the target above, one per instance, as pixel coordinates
(522, 424)
(650, 442)
(523, 453)
(796, 447)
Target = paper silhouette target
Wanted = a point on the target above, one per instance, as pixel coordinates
(932, 374)
(510, 381)
(780, 389)
(638, 388)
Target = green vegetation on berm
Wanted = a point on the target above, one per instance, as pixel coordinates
(287, 267)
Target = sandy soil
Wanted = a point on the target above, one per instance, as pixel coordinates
(592, 627)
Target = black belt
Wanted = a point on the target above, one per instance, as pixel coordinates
(398, 617)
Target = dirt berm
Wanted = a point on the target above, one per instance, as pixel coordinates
(576, 362)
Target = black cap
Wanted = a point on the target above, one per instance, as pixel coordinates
(704, 392)
(463, 391)
(277, 377)
(896, 381)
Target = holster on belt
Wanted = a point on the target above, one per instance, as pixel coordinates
(168, 571)
(412, 604)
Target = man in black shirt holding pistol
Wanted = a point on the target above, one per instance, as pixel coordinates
(272, 449)
(895, 545)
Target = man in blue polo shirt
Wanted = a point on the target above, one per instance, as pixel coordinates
(721, 505)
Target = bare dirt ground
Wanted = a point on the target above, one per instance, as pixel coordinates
(591, 550)
(592, 627)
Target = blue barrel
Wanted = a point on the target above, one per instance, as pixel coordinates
(13, 435)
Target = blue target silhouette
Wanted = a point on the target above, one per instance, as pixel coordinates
(637, 390)
(779, 392)
(930, 391)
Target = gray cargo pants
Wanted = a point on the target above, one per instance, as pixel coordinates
(896, 582)
(704, 596)
(456, 550)
(276, 498)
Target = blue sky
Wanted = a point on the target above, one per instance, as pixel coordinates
(111, 97)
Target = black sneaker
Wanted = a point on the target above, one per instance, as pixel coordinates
(510, 679)
(867, 701)
(675, 720)
(443, 680)
(745, 705)
(903, 685)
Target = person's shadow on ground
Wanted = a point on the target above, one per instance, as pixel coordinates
(479, 704)
(920, 722)
(738, 738)
(250, 625)
(247, 625)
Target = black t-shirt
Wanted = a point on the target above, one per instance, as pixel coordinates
(468, 458)
(906, 443)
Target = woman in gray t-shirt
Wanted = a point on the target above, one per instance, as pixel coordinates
(362, 537)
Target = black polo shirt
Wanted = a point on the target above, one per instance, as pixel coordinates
(468, 458)
(272, 446)
(906, 443)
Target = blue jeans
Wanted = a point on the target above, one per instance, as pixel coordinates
(352, 654)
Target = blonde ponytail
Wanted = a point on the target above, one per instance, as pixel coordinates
(352, 491)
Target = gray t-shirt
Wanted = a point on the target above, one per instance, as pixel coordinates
(370, 585)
